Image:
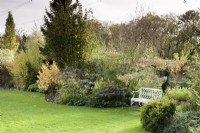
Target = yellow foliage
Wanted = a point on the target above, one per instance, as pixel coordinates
(24, 68)
(18, 70)
(47, 76)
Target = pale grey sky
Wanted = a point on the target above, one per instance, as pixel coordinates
(27, 12)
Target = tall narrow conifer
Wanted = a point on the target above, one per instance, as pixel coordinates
(10, 34)
(65, 30)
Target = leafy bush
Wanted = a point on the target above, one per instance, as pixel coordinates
(157, 114)
(86, 78)
(146, 70)
(48, 77)
(35, 40)
(196, 93)
(105, 66)
(6, 56)
(33, 87)
(71, 88)
(184, 122)
(141, 78)
(182, 96)
(110, 96)
(99, 84)
(71, 92)
(178, 94)
(25, 67)
(5, 78)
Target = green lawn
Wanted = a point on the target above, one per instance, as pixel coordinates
(26, 112)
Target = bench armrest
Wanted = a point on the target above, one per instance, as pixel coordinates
(133, 92)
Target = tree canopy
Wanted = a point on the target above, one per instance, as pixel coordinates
(66, 31)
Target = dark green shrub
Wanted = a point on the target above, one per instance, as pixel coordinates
(88, 81)
(184, 122)
(32, 72)
(157, 114)
(110, 96)
(5, 77)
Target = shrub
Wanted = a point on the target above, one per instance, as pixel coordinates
(196, 93)
(179, 94)
(196, 101)
(100, 83)
(5, 78)
(157, 114)
(71, 92)
(182, 96)
(141, 77)
(48, 77)
(184, 122)
(105, 66)
(110, 96)
(6, 56)
(72, 89)
(25, 67)
(33, 87)
(35, 40)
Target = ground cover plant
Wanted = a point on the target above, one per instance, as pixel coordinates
(28, 112)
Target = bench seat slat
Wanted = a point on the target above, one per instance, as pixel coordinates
(143, 100)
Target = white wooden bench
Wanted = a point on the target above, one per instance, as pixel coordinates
(146, 95)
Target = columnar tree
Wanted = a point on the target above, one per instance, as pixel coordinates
(10, 34)
(66, 33)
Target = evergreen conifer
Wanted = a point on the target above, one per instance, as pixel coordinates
(10, 41)
(66, 33)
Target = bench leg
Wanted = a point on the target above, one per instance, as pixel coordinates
(140, 103)
(131, 103)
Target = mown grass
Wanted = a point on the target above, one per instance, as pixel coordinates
(26, 112)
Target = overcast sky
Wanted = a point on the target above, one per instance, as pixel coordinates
(27, 13)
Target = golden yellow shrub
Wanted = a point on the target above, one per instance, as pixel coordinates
(48, 75)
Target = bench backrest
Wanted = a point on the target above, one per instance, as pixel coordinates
(150, 93)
